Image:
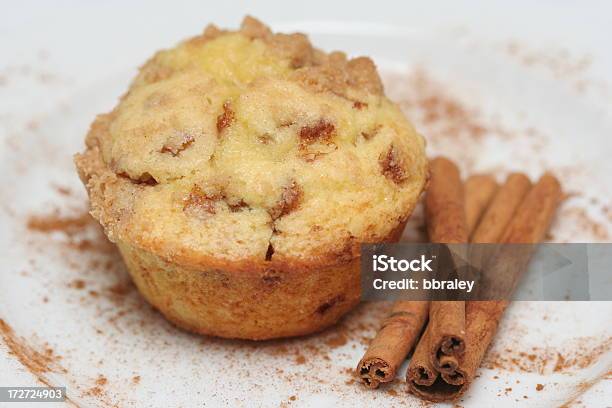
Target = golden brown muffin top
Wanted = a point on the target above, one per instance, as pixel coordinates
(249, 145)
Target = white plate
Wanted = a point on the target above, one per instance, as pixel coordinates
(103, 341)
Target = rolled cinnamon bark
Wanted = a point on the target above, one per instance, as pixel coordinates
(423, 379)
(444, 203)
(497, 217)
(421, 373)
(447, 325)
(529, 225)
(446, 223)
(479, 189)
(393, 342)
(502, 208)
(535, 214)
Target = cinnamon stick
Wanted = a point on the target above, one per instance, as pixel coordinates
(501, 209)
(444, 203)
(497, 216)
(479, 190)
(534, 216)
(445, 210)
(529, 225)
(421, 373)
(393, 342)
(447, 321)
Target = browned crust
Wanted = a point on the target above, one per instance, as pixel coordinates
(216, 300)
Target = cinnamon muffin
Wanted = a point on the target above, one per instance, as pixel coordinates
(239, 174)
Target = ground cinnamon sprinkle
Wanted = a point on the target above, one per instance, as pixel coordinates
(559, 62)
(95, 391)
(337, 341)
(36, 361)
(560, 363)
(78, 231)
(586, 223)
(55, 222)
(99, 392)
(65, 191)
(77, 284)
(439, 115)
(449, 124)
(577, 355)
(391, 391)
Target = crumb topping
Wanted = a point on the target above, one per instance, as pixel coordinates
(176, 143)
(199, 204)
(241, 129)
(145, 178)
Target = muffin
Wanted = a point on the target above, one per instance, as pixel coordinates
(239, 174)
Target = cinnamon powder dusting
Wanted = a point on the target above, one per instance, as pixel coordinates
(36, 361)
(579, 354)
(55, 222)
(98, 389)
(449, 125)
(72, 227)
